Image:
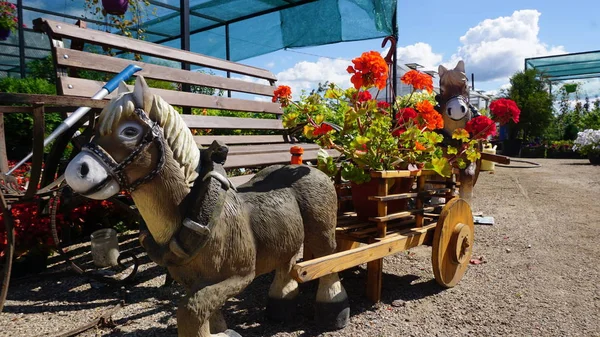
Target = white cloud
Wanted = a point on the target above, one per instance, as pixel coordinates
(270, 64)
(307, 75)
(420, 53)
(496, 48)
(493, 50)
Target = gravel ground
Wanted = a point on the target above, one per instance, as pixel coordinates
(541, 277)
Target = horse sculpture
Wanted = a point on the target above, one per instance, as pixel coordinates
(453, 100)
(213, 238)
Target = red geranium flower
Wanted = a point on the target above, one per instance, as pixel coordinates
(362, 96)
(322, 129)
(481, 127)
(369, 70)
(418, 80)
(406, 114)
(504, 109)
(283, 93)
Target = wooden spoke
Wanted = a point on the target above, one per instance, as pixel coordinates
(453, 242)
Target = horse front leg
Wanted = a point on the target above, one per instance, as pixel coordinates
(194, 311)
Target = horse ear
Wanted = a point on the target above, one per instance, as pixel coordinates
(122, 88)
(460, 66)
(142, 97)
(441, 70)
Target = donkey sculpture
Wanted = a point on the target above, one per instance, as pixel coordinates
(213, 238)
(453, 100)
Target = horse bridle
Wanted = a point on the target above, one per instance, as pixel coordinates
(116, 170)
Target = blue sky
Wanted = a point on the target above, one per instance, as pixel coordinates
(492, 37)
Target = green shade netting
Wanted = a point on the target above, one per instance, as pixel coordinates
(567, 66)
(256, 27)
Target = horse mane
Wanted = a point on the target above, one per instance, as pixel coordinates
(176, 133)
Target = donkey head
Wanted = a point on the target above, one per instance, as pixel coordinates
(454, 93)
(127, 148)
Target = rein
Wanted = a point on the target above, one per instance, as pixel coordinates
(116, 170)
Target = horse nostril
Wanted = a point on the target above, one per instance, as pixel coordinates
(84, 169)
(463, 109)
(449, 111)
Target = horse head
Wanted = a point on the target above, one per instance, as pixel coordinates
(453, 97)
(137, 135)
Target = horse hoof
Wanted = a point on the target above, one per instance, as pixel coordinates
(227, 333)
(332, 315)
(281, 309)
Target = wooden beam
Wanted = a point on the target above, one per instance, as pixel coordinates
(3, 153)
(333, 263)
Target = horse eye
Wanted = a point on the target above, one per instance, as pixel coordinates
(129, 132)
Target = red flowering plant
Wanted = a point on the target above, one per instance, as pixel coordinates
(33, 233)
(479, 129)
(8, 18)
(364, 131)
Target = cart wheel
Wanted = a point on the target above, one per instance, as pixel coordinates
(452, 242)
(9, 250)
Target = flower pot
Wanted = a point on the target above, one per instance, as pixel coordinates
(594, 158)
(4, 34)
(366, 208)
(115, 7)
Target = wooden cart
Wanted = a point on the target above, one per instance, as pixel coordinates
(446, 227)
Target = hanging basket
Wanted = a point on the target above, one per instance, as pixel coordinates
(115, 7)
(569, 88)
(4, 34)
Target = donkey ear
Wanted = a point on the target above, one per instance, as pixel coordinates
(142, 97)
(460, 66)
(122, 88)
(441, 70)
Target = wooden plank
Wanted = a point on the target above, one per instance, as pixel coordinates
(419, 201)
(3, 153)
(333, 263)
(38, 151)
(59, 30)
(238, 140)
(97, 62)
(264, 159)
(239, 180)
(78, 87)
(268, 148)
(409, 195)
(400, 215)
(401, 173)
(235, 123)
(75, 102)
(495, 158)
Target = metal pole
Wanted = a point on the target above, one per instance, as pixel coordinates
(184, 13)
(227, 53)
(395, 63)
(21, 38)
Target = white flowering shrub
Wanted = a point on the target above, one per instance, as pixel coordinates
(587, 141)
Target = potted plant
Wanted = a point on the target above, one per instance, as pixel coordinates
(370, 137)
(115, 7)
(588, 143)
(8, 19)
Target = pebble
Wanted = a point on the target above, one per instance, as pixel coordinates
(399, 303)
(528, 246)
(508, 250)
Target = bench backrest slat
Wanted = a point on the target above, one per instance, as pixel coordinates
(231, 123)
(82, 60)
(240, 140)
(72, 86)
(58, 29)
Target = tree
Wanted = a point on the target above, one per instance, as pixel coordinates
(531, 94)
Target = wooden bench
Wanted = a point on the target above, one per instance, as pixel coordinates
(264, 140)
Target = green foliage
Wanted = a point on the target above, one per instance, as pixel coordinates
(409, 100)
(18, 127)
(532, 96)
(42, 69)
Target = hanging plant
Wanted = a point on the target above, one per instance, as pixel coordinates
(8, 19)
(115, 7)
(571, 87)
(127, 16)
